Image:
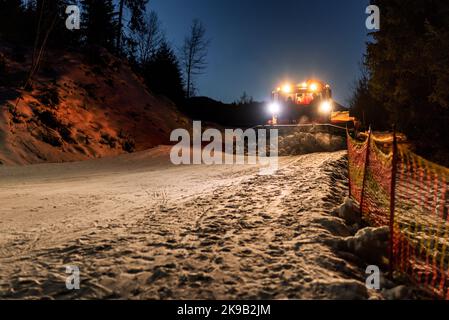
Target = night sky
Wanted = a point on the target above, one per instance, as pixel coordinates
(257, 44)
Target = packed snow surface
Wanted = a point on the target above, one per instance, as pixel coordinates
(138, 227)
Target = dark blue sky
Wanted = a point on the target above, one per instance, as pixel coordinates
(258, 43)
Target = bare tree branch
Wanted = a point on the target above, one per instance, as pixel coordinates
(149, 38)
(194, 54)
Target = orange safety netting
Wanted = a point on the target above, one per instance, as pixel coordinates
(421, 238)
(396, 188)
(377, 190)
(357, 158)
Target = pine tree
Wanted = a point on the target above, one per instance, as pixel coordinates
(11, 17)
(136, 23)
(408, 66)
(145, 42)
(99, 24)
(28, 23)
(163, 74)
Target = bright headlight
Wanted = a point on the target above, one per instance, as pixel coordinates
(326, 107)
(287, 88)
(274, 108)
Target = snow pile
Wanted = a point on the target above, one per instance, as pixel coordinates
(371, 246)
(300, 143)
(349, 212)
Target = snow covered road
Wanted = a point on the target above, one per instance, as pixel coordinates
(138, 227)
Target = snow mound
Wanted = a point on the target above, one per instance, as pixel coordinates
(371, 244)
(300, 143)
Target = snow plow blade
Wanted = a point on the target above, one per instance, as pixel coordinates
(309, 138)
(306, 128)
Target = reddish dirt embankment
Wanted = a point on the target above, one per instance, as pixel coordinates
(81, 106)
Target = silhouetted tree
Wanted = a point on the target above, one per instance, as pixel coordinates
(163, 75)
(194, 54)
(30, 23)
(136, 9)
(99, 25)
(365, 107)
(11, 20)
(408, 63)
(148, 39)
(245, 99)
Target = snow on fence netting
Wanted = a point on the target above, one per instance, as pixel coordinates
(394, 187)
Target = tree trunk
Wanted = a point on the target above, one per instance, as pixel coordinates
(188, 84)
(120, 26)
(189, 74)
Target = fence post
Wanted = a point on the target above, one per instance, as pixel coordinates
(393, 199)
(365, 170)
(348, 141)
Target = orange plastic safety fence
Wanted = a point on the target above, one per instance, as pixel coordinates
(357, 157)
(377, 190)
(420, 223)
(421, 238)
